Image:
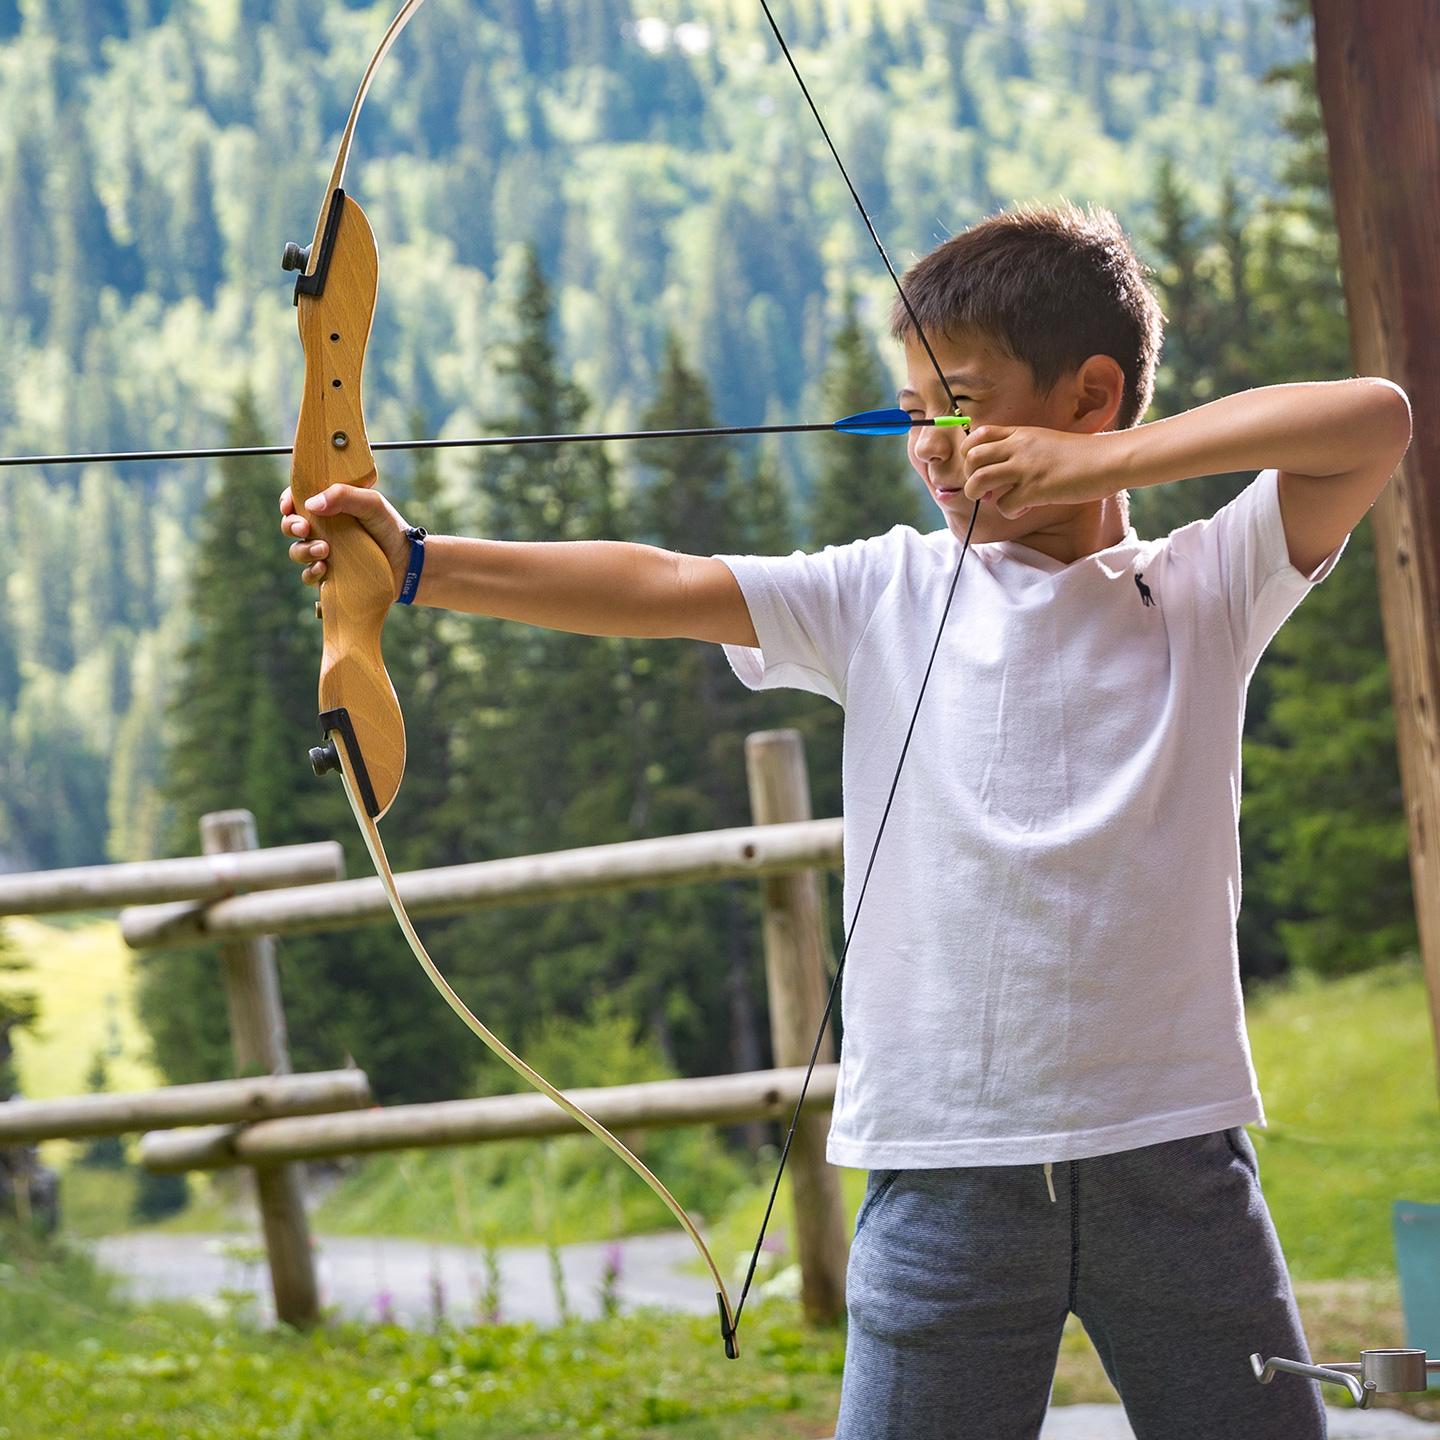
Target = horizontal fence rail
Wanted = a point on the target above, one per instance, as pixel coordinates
(746, 852)
(188, 879)
(239, 898)
(258, 1097)
(651, 1105)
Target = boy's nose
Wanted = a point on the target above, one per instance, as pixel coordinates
(933, 444)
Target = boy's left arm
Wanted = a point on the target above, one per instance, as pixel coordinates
(1335, 444)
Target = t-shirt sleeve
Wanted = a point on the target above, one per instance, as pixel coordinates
(1241, 554)
(809, 612)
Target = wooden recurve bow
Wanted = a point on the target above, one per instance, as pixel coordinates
(360, 714)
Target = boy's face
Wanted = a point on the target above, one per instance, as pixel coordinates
(995, 389)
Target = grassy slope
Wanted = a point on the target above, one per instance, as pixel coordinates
(85, 977)
(1348, 1072)
(74, 1362)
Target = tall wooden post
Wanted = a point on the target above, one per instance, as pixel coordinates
(260, 1045)
(795, 949)
(1378, 73)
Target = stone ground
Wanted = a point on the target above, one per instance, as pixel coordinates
(362, 1277)
(1107, 1422)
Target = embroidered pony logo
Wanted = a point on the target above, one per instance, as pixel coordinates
(1146, 598)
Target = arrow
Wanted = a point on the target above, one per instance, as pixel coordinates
(867, 422)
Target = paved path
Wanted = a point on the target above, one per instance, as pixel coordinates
(1107, 1422)
(360, 1277)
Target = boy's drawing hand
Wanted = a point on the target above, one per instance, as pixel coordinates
(1022, 466)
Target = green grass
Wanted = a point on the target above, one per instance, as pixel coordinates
(1347, 1068)
(73, 1361)
(1349, 1077)
(76, 1362)
(102, 1202)
(522, 1192)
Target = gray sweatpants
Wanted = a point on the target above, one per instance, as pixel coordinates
(960, 1281)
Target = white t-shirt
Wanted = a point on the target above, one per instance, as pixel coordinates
(1045, 966)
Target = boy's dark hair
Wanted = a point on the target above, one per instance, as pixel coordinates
(1050, 285)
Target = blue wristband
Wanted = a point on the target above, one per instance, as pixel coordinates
(416, 536)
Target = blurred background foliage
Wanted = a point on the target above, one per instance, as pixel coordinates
(591, 214)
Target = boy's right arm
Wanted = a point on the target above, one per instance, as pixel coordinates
(589, 587)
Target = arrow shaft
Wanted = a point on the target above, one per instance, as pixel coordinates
(471, 443)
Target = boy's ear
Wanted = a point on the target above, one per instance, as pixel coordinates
(1099, 387)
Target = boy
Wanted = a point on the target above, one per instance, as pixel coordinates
(1045, 1067)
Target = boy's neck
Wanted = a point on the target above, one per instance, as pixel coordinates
(1086, 530)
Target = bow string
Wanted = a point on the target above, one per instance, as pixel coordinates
(360, 715)
(956, 418)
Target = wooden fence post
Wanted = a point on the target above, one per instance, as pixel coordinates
(795, 972)
(260, 1045)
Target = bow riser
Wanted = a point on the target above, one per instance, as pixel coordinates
(331, 448)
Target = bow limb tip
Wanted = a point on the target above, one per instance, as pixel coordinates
(727, 1328)
(342, 747)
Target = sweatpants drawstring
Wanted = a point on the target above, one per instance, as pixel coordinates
(1050, 1180)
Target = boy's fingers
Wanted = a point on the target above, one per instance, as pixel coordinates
(982, 479)
(345, 500)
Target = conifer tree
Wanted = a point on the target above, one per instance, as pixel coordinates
(543, 758)
(26, 1188)
(246, 623)
(468, 220)
(83, 250)
(1323, 837)
(41, 584)
(863, 487)
(1200, 272)
(242, 719)
(696, 947)
(766, 514)
(99, 603)
(252, 632)
(1324, 816)
(1183, 378)
(24, 224)
(19, 1010)
(420, 654)
(1323, 804)
(533, 677)
(105, 1152)
(197, 232)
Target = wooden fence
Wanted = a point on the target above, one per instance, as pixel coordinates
(241, 898)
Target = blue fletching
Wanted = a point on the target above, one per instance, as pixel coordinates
(875, 422)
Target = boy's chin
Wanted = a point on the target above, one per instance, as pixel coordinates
(989, 523)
